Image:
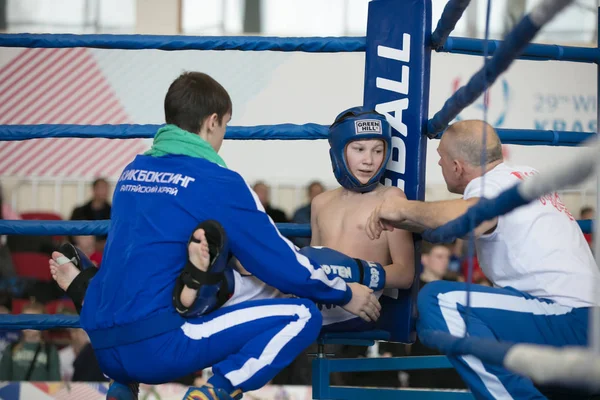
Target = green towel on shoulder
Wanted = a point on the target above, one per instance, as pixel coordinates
(171, 139)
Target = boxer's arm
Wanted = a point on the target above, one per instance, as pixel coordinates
(401, 272)
(315, 207)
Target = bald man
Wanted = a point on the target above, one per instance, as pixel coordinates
(543, 271)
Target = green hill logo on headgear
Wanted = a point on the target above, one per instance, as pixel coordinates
(367, 126)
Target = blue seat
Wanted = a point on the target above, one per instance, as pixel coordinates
(396, 324)
(322, 367)
(400, 316)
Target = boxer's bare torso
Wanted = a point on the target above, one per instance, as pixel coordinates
(338, 221)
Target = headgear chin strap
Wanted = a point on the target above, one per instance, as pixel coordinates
(357, 124)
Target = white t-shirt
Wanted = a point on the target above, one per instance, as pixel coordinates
(538, 248)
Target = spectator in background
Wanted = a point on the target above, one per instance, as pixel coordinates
(30, 359)
(302, 214)
(7, 338)
(98, 208)
(263, 192)
(435, 260)
(85, 365)
(78, 339)
(458, 268)
(78, 361)
(587, 213)
(478, 276)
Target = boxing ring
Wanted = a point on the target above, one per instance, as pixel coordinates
(397, 73)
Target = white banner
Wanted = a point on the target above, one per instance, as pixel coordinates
(272, 88)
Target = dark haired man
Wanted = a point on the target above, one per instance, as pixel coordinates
(153, 311)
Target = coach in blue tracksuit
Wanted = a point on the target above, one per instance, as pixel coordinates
(160, 199)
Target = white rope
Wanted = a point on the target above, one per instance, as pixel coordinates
(572, 366)
(546, 10)
(576, 170)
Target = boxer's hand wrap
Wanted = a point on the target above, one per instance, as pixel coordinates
(210, 284)
(373, 274)
(336, 264)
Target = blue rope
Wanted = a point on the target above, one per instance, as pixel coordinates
(76, 228)
(141, 42)
(534, 51)
(455, 45)
(514, 44)
(528, 137)
(262, 132)
(38, 322)
(453, 10)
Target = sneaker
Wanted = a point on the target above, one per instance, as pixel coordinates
(208, 392)
(119, 391)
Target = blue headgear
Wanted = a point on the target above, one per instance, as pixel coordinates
(357, 124)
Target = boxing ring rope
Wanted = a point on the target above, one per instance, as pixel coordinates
(77, 228)
(502, 52)
(456, 45)
(514, 43)
(453, 10)
(39, 322)
(447, 234)
(535, 52)
(309, 131)
(572, 366)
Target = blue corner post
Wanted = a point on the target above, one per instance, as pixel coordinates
(397, 73)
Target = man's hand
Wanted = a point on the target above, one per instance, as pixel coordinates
(384, 216)
(363, 303)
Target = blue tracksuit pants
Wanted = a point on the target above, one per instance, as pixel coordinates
(502, 314)
(247, 345)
